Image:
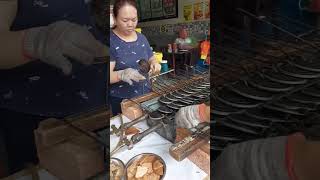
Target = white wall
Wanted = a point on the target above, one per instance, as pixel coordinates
(180, 18)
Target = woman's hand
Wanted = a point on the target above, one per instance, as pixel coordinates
(191, 116)
(155, 67)
(52, 44)
(129, 75)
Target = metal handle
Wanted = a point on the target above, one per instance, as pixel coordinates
(137, 137)
(129, 124)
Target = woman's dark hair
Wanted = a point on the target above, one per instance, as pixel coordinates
(120, 3)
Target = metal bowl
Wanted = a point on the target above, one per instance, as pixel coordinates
(121, 164)
(139, 156)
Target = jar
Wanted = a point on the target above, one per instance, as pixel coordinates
(169, 48)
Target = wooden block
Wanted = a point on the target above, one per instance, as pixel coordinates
(79, 158)
(52, 131)
(132, 112)
(201, 157)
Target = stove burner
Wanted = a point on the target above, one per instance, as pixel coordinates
(190, 98)
(194, 89)
(172, 106)
(262, 116)
(243, 89)
(223, 109)
(182, 93)
(304, 98)
(268, 85)
(293, 71)
(283, 78)
(155, 115)
(305, 64)
(164, 100)
(188, 91)
(193, 98)
(232, 99)
(312, 91)
(296, 106)
(171, 98)
(199, 96)
(177, 95)
(250, 121)
(241, 127)
(185, 102)
(178, 104)
(201, 87)
(270, 95)
(226, 133)
(276, 108)
(165, 110)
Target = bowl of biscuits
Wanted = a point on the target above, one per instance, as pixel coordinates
(116, 169)
(145, 166)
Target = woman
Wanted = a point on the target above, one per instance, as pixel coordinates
(127, 48)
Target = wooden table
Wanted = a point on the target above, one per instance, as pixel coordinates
(154, 143)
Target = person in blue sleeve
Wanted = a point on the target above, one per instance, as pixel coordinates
(46, 71)
(127, 48)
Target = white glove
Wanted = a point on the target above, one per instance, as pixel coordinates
(188, 117)
(51, 44)
(128, 75)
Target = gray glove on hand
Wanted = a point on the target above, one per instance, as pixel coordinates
(52, 44)
(262, 159)
(188, 117)
(128, 75)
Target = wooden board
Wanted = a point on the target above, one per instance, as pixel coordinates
(57, 143)
(52, 131)
(200, 157)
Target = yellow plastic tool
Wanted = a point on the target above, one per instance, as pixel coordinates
(158, 56)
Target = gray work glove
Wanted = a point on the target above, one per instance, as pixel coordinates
(52, 44)
(188, 117)
(129, 75)
(260, 159)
